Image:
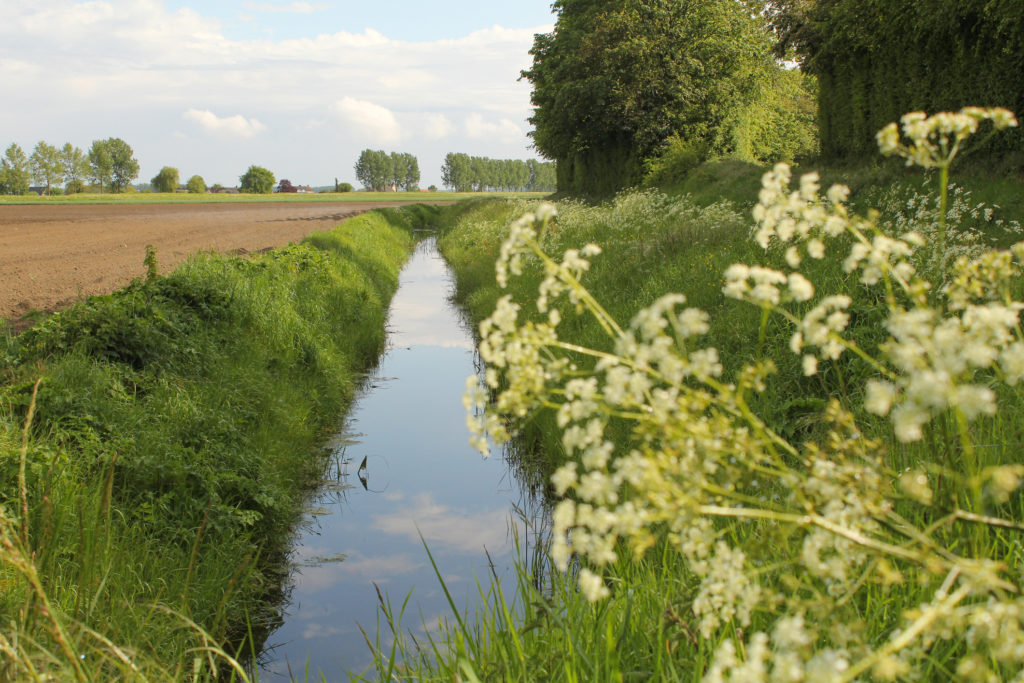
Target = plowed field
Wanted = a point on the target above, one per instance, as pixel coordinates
(52, 255)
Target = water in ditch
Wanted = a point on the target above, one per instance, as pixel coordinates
(402, 475)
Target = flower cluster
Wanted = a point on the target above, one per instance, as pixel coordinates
(934, 140)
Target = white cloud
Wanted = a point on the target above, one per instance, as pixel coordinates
(437, 126)
(437, 524)
(232, 125)
(373, 123)
(291, 8)
(407, 78)
(505, 129)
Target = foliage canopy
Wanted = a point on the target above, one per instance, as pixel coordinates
(876, 60)
(166, 180)
(257, 180)
(616, 78)
(196, 185)
(14, 171)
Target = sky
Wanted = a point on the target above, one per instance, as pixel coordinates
(300, 88)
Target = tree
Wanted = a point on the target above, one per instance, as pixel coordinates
(396, 177)
(286, 186)
(345, 187)
(616, 78)
(46, 166)
(75, 165)
(374, 169)
(100, 164)
(196, 185)
(257, 180)
(14, 171)
(112, 164)
(411, 181)
(456, 173)
(166, 180)
(124, 166)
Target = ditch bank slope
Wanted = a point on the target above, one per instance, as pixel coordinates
(151, 476)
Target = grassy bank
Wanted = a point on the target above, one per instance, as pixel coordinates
(155, 445)
(669, 615)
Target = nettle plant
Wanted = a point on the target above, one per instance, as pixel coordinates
(784, 541)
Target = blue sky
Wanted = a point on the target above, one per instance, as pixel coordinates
(298, 87)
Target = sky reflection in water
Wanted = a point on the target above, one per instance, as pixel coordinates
(422, 479)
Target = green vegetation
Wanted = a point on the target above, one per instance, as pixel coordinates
(256, 180)
(618, 78)
(166, 180)
(112, 164)
(813, 588)
(196, 185)
(76, 168)
(877, 60)
(463, 173)
(378, 171)
(47, 167)
(14, 171)
(155, 445)
(109, 164)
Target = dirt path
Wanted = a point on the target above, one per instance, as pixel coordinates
(52, 255)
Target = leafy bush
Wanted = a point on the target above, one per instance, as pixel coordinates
(257, 180)
(196, 185)
(675, 161)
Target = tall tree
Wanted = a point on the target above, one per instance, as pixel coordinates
(124, 167)
(456, 173)
(411, 175)
(46, 166)
(14, 171)
(616, 78)
(399, 162)
(378, 170)
(166, 180)
(257, 180)
(75, 165)
(100, 164)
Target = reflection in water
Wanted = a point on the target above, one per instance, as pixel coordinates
(401, 475)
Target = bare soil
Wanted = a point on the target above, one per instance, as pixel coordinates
(54, 255)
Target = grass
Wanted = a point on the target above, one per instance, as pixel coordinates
(682, 242)
(189, 198)
(155, 445)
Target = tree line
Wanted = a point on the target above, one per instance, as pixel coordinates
(381, 171)
(465, 173)
(109, 164)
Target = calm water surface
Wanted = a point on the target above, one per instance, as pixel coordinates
(421, 478)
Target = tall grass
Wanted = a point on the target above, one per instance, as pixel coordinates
(155, 445)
